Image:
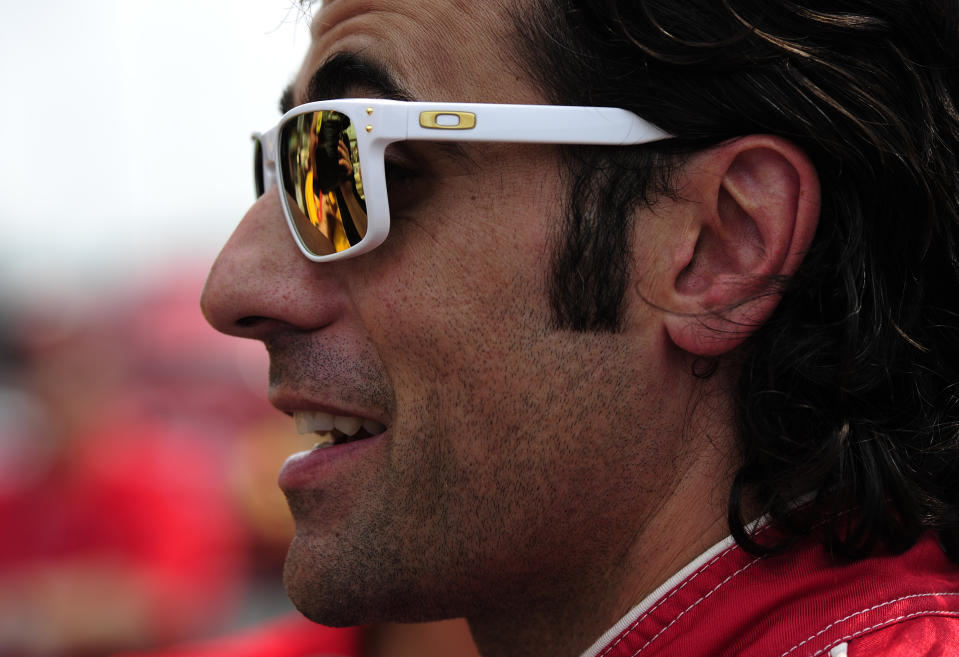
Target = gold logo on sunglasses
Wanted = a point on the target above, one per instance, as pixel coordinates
(447, 120)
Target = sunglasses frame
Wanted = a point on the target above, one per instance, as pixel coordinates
(380, 123)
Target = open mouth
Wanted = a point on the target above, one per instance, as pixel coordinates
(335, 429)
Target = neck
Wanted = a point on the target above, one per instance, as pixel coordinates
(662, 529)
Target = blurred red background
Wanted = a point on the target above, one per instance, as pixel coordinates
(138, 455)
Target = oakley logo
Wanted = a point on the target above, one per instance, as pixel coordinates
(447, 120)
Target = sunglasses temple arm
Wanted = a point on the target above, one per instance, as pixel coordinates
(543, 124)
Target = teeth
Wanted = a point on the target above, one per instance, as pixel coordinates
(326, 439)
(325, 423)
(347, 425)
(312, 421)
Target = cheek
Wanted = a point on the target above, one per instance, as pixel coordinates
(466, 272)
(456, 304)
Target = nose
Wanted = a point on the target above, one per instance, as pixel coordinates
(261, 282)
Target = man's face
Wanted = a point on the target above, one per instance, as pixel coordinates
(502, 471)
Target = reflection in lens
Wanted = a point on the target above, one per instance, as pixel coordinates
(315, 240)
(322, 180)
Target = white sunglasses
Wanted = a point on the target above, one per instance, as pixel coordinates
(329, 156)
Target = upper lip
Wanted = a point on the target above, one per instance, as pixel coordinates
(291, 404)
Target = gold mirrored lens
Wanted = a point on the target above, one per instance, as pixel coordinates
(320, 167)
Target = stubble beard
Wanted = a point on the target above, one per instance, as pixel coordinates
(383, 559)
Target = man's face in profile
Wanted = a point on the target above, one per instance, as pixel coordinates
(506, 440)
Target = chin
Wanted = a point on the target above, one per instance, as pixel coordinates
(335, 589)
(313, 584)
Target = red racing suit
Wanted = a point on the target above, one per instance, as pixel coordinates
(802, 603)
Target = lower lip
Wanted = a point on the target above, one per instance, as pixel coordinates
(307, 469)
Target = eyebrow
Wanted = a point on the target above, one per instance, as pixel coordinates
(347, 73)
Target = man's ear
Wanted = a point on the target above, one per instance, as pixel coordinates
(751, 208)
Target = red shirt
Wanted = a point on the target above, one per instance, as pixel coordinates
(289, 636)
(799, 604)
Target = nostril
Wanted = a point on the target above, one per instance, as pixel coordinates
(249, 321)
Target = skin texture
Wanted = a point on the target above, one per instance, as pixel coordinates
(538, 482)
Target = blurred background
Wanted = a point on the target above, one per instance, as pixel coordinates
(138, 455)
(125, 132)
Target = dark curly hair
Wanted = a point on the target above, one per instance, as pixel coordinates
(849, 395)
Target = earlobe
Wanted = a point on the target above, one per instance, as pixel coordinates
(752, 220)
